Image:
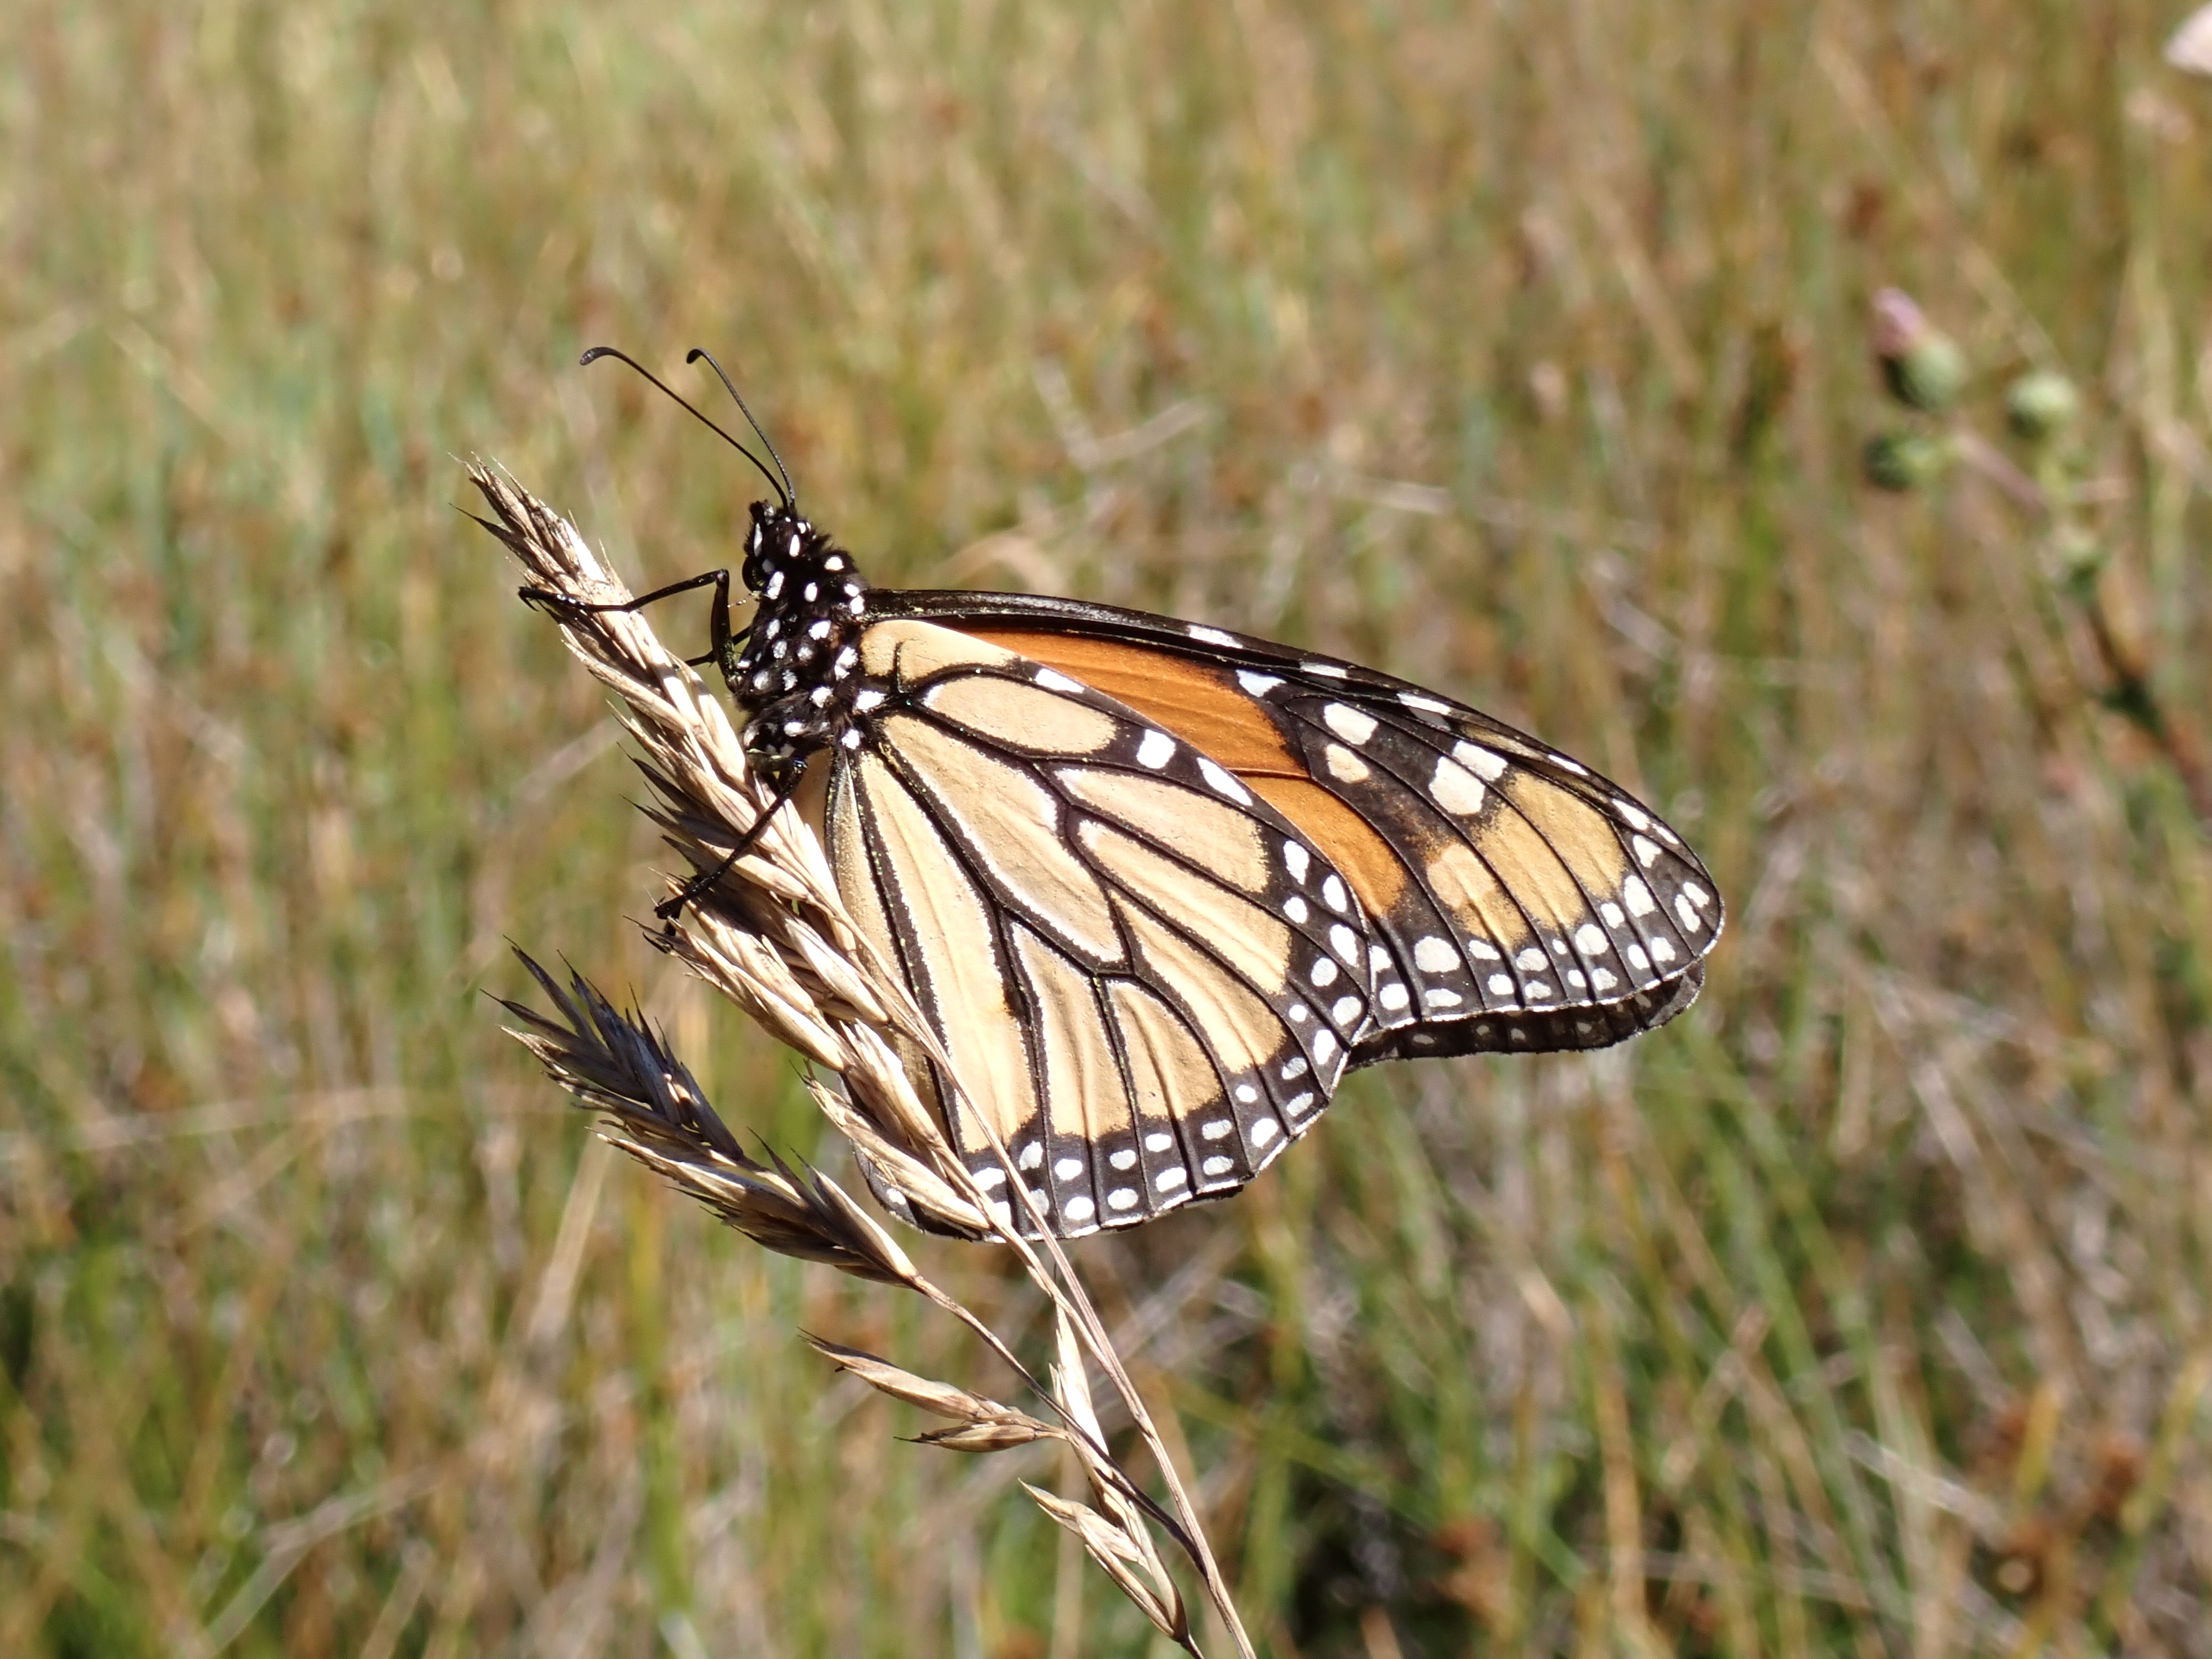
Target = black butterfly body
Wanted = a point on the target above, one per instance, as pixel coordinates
(1157, 886)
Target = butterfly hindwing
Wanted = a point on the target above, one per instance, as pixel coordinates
(1148, 977)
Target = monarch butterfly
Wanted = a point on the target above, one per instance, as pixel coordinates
(1158, 885)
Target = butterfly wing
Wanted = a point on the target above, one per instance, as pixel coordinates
(1146, 976)
(1518, 901)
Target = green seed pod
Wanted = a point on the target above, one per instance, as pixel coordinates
(1905, 461)
(2040, 405)
(1922, 366)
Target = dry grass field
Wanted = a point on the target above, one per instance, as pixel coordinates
(1518, 349)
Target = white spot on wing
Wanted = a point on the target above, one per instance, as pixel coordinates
(1485, 763)
(1295, 860)
(1637, 897)
(1322, 972)
(1158, 1141)
(1264, 1131)
(1333, 894)
(1531, 959)
(1124, 1159)
(1437, 997)
(1501, 985)
(1647, 850)
(1067, 1168)
(1052, 680)
(1155, 750)
(1256, 685)
(1455, 788)
(1209, 636)
(1168, 1180)
(1214, 1168)
(1078, 1208)
(1122, 1198)
(1435, 956)
(1345, 766)
(1295, 908)
(1324, 1048)
(1224, 782)
(1344, 942)
(1425, 705)
(1393, 997)
(1589, 938)
(1483, 950)
(1347, 722)
(1217, 1128)
(1328, 671)
(1345, 1010)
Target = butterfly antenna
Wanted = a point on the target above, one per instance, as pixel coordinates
(790, 490)
(598, 352)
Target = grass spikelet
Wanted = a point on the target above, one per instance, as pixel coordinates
(770, 934)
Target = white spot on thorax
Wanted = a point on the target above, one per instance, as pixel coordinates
(774, 589)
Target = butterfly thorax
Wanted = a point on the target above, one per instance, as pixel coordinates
(798, 668)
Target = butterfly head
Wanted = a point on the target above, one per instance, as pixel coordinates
(796, 671)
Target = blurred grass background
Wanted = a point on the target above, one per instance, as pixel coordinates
(1516, 349)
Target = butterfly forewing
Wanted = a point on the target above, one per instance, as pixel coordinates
(1147, 978)
(1516, 900)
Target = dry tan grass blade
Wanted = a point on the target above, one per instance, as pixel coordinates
(771, 933)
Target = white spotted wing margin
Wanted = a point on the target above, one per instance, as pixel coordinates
(1521, 901)
(1148, 979)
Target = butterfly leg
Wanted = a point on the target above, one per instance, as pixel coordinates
(785, 787)
(560, 605)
